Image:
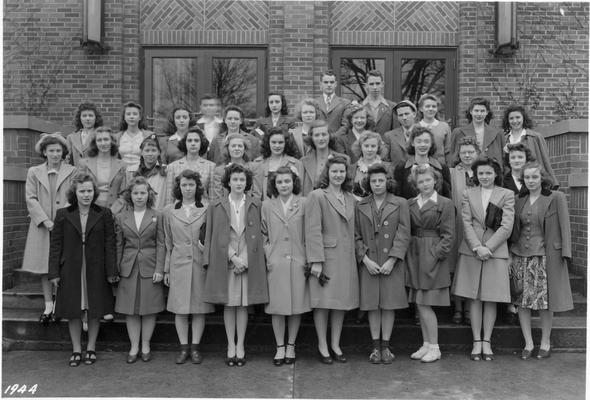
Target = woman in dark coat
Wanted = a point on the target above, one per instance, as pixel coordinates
(82, 264)
(541, 248)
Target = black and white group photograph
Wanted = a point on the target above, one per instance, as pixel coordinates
(316, 199)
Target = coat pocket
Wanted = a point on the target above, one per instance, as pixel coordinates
(330, 241)
(557, 245)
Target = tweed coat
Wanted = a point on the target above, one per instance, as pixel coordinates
(404, 188)
(261, 173)
(335, 115)
(558, 246)
(181, 256)
(217, 242)
(41, 208)
(78, 150)
(309, 165)
(493, 143)
(390, 237)
(284, 248)
(65, 261)
(116, 184)
(329, 239)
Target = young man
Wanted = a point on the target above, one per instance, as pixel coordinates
(377, 106)
(397, 139)
(332, 107)
(209, 122)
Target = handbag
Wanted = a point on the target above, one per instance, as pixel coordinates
(493, 216)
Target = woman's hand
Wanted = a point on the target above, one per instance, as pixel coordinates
(316, 269)
(167, 279)
(387, 266)
(371, 266)
(55, 282)
(48, 225)
(239, 265)
(483, 253)
(157, 277)
(113, 279)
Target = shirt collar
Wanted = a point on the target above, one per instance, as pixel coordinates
(216, 119)
(175, 136)
(381, 100)
(433, 198)
(427, 125)
(522, 135)
(239, 203)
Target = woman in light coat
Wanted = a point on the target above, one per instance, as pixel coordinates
(284, 247)
(482, 271)
(45, 192)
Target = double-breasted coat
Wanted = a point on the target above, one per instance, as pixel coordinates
(65, 261)
(137, 254)
(381, 239)
(42, 205)
(182, 258)
(329, 239)
(309, 166)
(484, 280)
(558, 246)
(284, 248)
(493, 143)
(260, 172)
(217, 241)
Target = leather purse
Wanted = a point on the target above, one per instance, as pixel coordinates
(493, 216)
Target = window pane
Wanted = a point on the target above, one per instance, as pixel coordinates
(420, 76)
(353, 76)
(235, 82)
(174, 84)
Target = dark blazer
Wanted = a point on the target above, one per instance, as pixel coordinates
(493, 143)
(335, 115)
(66, 258)
(406, 190)
(536, 143)
(384, 120)
(508, 183)
(344, 144)
(395, 141)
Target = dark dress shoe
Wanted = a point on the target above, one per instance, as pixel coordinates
(278, 361)
(196, 356)
(240, 362)
(54, 319)
(325, 360)
(290, 360)
(183, 355)
(45, 318)
(544, 353)
(526, 354)
(339, 358)
(132, 358)
(145, 357)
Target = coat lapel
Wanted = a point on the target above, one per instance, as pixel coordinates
(76, 140)
(148, 219)
(364, 206)
(400, 138)
(388, 208)
(129, 220)
(343, 210)
(74, 217)
(93, 216)
(310, 162)
(294, 208)
(475, 198)
(41, 174)
(63, 174)
(277, 208)
(414, 209)
(115, 167)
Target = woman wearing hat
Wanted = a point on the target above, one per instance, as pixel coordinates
(45, 192)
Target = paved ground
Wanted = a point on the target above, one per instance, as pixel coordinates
(454, 377)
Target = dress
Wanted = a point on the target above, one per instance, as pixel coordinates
(380, 234)
(284, 247)
(137, 294)
(182, 257)
(432, 230)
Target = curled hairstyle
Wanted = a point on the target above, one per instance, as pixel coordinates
(318, 123)
(79, 179)
(369, 125)
(171, 126)
(142, 124)
(324, 180)
(226, 142)
(527, 122)
(307, 102)
(87, 107)
(491, 162)
(49, 140)
(93, 148)
(418, 130)
(236, 169)
(546, 181)
(137, 181)
(204, 142)
(290, 149)
(142, 170)
(239, 111)
(271, 187)
(193, 176)
(528, 155)
(423, 169)
(378, 169)
(479, 101)
(357, 145)
(428, 96)
(284, 108)
(467, 141)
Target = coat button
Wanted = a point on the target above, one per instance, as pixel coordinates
(526, 246)
(386, 223)
(250, 223)
(288, 257)
(386, 236)
(57, 202)
(528, 238)
(253, 236)
(385, 250)
(286, 239)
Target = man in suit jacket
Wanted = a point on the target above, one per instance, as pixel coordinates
(377, 106)
(332, 107)
(397, 139)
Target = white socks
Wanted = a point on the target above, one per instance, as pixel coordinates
(48, 307)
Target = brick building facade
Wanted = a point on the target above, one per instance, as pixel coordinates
(47, 73)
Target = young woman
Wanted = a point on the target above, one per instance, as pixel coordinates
(329, 245)
(86, 120)
(132, 131)
(184, 263)
(151, 168)
(277, 150)
(359, 121)
(368, 150)
(518, 155)
(178, 125)
(235, 151)
(307, 111)
(490, 141)
(140, 295)
(45, 191)
(382, 232)
(83, 264)
(421, 150)
(284, 247)
(428, 106)
(461, 179)
(276, 115)
(233, 238)
(107, 170)
(233, 120)
(517, 127)
(482, 270)
(541, 248)
(194, 146)
(433, 226)
(321, 145)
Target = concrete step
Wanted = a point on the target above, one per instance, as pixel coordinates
(22, 331)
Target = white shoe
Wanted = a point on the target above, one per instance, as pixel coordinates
(431, 356)
(422, 351)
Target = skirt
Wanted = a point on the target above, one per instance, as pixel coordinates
(530, 275)
(482, 280)
(137, 295)
(429, 297)
(237, 288)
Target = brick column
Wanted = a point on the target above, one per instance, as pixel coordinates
(130, 60)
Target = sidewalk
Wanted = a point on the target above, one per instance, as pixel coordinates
(454, 377)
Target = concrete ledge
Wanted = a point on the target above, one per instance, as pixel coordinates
(578, 180)
(562, 127)
(29, 122)
(15, 173)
